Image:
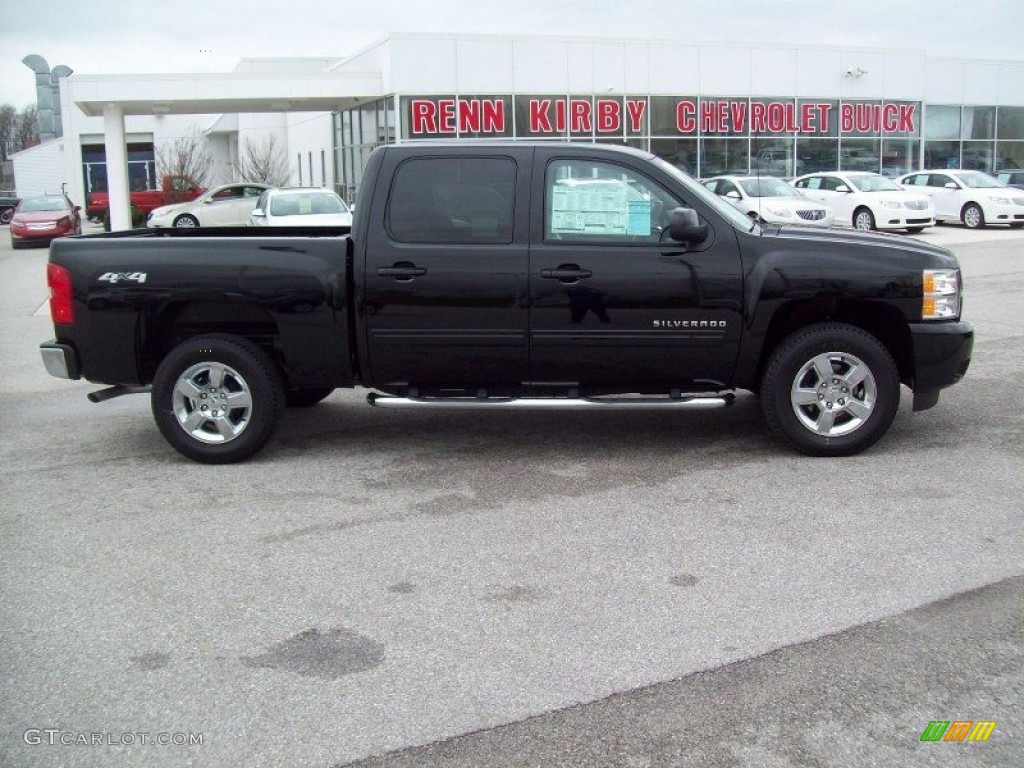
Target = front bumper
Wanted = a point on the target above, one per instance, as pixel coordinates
(1002, 213)
(60, 360)
(942, 353)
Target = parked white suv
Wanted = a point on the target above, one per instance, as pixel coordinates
(868, 200)
(971, 197)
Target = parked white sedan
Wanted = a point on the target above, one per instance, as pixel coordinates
(300, 207)
(769, 199)
(868, 200)
(225, 206)
(971, 197)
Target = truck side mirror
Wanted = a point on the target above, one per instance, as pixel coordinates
(685, 227)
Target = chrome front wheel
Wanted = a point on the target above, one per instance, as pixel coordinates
(830, 389)
(833, 394)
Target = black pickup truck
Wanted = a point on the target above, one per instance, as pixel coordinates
(512, 275)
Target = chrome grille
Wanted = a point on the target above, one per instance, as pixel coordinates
(916, 205)
(814, 214)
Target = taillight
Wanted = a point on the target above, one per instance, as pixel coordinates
(61, 307)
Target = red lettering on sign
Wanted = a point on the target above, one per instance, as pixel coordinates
(636, 114)
(446, 116)
(823, 110)
(807, 118)
(757, 115)
(469, 116)
(424, 116)
(609, 116)
(686, 117)
(738, 113)
(776, 117)
(907, 118)
(862, 117)
(539, 120)
(580, 116)
(494, 116)
(560, 116)
(708, 123)
(890, 117)
(846, 118)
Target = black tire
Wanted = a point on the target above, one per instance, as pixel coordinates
(305, 398)
(228, 434)
(6, 215)
(915, 230)
(186, 220)
(972, 216)
(864, 219)
(792, 385)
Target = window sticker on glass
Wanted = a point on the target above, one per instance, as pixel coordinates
(638, 222)
(305, 205)
(591, 207)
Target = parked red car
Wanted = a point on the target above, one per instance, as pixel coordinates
(41, 219)
(174, 189)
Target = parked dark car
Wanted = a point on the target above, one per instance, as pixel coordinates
(43, 218)
(8, 202)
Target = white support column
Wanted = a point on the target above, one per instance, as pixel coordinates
(117, 168)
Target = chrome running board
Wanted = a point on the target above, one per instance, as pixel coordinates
(541, 403)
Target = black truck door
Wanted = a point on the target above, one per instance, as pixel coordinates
(615, 304)
(445, 269)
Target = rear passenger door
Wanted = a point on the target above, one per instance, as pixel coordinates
(445, 280)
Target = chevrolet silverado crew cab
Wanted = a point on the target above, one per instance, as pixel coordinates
(512, 275)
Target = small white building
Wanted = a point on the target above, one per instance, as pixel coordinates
(708, 108)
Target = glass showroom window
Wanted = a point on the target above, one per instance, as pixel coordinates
(942, 137)
(860, 155)
(1010, 132)
(682, 153)
(817, 155)
(899, 156)
(724, 156)
(774, 157)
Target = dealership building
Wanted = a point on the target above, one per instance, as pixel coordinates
(779, 110)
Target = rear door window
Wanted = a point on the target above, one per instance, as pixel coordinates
(453, 200)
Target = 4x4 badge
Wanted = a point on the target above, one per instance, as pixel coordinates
(116, 277)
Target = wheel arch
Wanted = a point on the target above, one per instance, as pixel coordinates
(181, 320)
(883, 321)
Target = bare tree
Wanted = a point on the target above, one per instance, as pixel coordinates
(27, 131)
(263, 162)
(185, 156)
(8, 130)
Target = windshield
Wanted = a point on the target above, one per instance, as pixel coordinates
(724, 209)
(767, 187)
(978, 180)
(33, 204)
(307, 203)
(874, 183)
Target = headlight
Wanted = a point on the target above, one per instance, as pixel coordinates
(941, 300)
(1001, 200)
(891, 203)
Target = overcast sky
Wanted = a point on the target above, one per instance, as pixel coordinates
(131, 36)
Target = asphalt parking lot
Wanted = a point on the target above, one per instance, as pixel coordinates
(439, 588)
